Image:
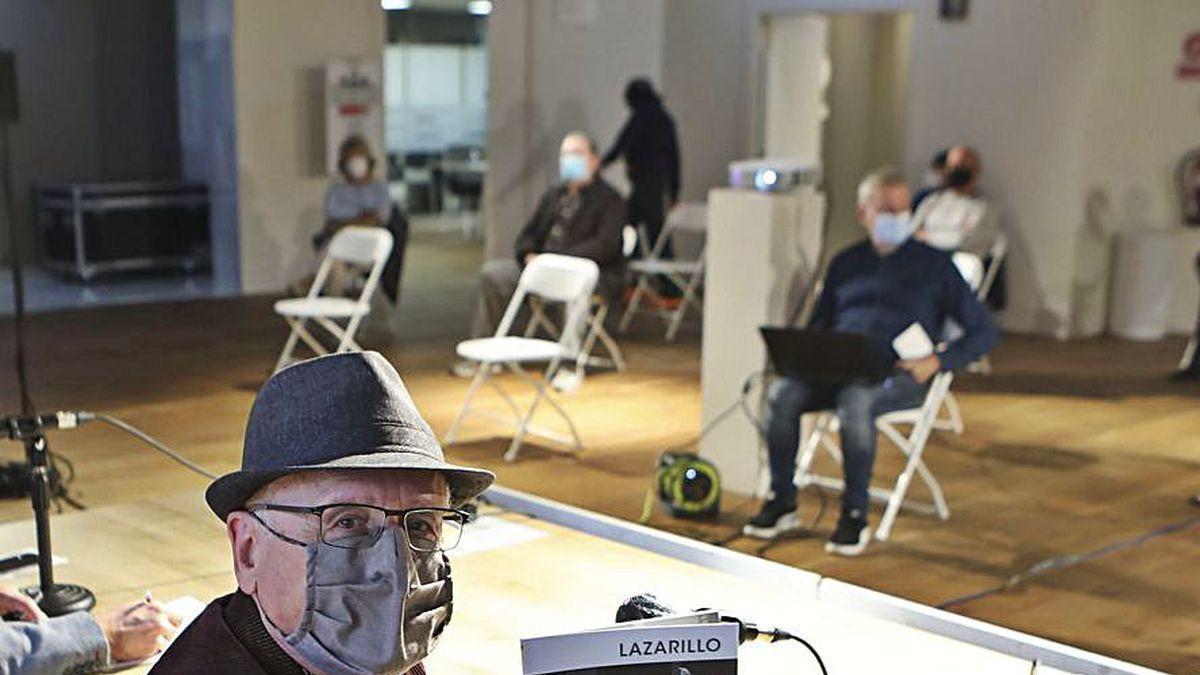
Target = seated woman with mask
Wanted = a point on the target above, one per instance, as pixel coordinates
(954, 218)
(360, 198)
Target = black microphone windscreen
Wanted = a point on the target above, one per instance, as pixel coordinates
(643, 606)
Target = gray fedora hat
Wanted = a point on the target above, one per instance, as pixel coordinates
(343, 411)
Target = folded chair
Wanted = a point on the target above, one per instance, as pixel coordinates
(359, 248)
(549, 278)
(686, 274)
(920, 422)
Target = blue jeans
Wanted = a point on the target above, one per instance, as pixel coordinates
(857, 406)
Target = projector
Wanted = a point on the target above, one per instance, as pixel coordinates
(779, 174)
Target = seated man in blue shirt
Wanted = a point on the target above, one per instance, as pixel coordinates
(876, 288)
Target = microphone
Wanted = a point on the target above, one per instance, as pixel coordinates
(643, 606)
(647, 606)
(20, 427)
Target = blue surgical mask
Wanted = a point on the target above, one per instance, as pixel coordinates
(572, 167)
(891, 229)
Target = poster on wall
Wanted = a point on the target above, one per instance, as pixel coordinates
(353, 105)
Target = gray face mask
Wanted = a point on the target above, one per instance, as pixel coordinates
(372, 610)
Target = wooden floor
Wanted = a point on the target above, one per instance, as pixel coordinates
(1069, 447)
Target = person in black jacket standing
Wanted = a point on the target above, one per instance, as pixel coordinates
(650, 148)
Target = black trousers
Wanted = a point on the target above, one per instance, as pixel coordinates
(648, 207)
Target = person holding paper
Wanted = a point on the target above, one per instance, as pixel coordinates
(33, 644)
(899, 293)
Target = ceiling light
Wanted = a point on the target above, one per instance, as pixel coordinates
(396, 4)
(479, 7)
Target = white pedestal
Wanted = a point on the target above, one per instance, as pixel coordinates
(1141, 300)
(762, 253)
(1185, 296)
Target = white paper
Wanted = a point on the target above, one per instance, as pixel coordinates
(186, 606)
(913, 343)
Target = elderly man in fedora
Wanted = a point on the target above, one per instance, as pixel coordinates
(339, 521)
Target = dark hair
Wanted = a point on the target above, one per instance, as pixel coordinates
(352, 143)
(939, 159)
(640, 93)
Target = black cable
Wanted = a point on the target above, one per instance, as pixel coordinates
(804, 642)
(14, 243)
(747, 384)
(1072, 559)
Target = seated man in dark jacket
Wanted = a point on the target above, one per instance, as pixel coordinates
(580, 216)
(877, 288)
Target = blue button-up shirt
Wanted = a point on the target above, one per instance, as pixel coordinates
(881, 295)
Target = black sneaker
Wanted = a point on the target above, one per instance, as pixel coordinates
(851, 536)
(1185, 375)
(775, 518)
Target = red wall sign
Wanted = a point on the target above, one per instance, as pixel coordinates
(1189, 66)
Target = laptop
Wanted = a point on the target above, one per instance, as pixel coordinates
(824, 355)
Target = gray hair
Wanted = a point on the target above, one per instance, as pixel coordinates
(875, 181)
(591, 143)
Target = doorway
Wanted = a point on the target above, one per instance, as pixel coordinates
(435, 79)
(835, 91)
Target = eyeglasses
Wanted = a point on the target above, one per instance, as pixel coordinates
(360, 525)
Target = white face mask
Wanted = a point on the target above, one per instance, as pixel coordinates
(358, 166)
(891, 229)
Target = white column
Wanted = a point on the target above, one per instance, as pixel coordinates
(762, 253)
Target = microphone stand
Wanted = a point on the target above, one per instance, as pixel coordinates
(55, 599)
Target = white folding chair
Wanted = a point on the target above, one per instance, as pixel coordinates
(596, 333)
(551, 278)
(363, 248)
(911, 445)
(997, 252)
(972, 270)
(688, 218)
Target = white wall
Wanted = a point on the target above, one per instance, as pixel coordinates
(1140, 120)
(867, 97)
(279, 51)
(706, 58)
(556, 67)
(1024, 110)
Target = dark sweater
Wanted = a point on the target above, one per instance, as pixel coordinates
(880, 296)
(228, 638)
